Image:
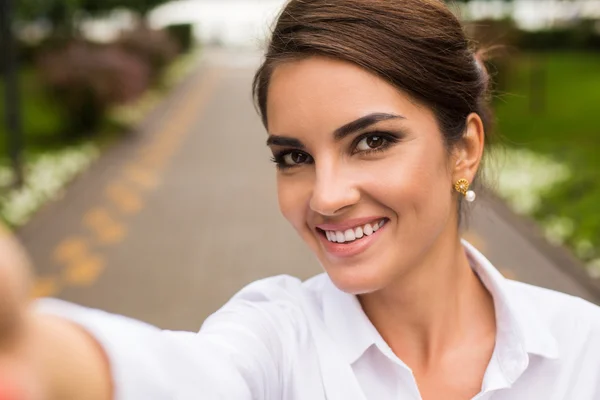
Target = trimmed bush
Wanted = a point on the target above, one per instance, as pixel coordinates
(154, 47)
(86, 80)
(183, 34)
(581, 36)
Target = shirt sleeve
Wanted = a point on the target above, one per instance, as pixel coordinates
(236, 355)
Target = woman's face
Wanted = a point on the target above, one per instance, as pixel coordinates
(363, 174)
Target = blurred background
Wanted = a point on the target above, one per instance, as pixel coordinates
(133, 165)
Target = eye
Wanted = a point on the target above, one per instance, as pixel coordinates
(371, 142)
(291, 158)
(295, 157)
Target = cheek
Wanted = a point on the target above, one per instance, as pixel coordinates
(414, 182)
(292, 197)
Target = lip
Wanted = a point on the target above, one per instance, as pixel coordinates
(349, 224)
(345, 250)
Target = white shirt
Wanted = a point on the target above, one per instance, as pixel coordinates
(280, 338)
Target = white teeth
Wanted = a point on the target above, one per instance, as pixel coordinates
(349, 235)
(358, 232)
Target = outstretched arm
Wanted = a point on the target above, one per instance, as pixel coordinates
(56, 350)
(41, 356)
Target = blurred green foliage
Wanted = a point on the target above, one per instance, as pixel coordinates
(61, 13)
(55, 9)
(42, 116)
(183, 34)
(140, 6)
(53, 100)
(558, 117)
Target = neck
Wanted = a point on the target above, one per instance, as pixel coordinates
(433, 307)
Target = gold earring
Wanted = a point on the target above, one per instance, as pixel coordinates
(462, 187)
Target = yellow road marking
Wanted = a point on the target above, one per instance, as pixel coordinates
(81, 265)
(84, 272)
(141, 177)
(153, 158)
(111, 234)
(70, 249)
(107, 230)
(45, 287)
(124, 197)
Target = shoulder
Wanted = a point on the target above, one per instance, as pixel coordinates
(275, 304)
(568, 317)
(280, 289)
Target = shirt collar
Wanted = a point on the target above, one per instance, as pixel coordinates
(520, 331)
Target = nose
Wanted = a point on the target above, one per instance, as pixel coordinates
(333, 191)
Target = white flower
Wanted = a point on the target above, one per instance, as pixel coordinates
(558, 229)
(45, 177)
(584, 249)
(593, 268)
(524, 177)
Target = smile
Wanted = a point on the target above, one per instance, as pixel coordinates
(353, 234)
(349, 241)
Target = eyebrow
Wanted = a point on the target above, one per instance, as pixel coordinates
(284, 141)
(362, 123)
(338, 134)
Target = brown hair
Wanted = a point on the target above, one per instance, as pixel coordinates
(419, 46)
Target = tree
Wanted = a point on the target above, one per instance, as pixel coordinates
(141, 7)
(62, 13)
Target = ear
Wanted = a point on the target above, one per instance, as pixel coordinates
(469, 150)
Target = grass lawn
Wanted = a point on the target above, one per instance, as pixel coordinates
(563, 123)
(41, 118)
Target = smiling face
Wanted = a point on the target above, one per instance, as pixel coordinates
(363, 173)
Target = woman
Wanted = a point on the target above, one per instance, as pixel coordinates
(377, 118)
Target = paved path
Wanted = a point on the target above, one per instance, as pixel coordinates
(180, 215)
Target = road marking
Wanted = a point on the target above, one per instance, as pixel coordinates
(45, 287)
(82, 266)
(153, 158)
(70, 249)
(106, 228)
(124, 197)
(84, 272)
(142, 177)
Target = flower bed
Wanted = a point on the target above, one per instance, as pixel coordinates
(47, 175)
(547, 115)
(48, 172)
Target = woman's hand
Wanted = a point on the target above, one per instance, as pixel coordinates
(18, 376)
(42, 357)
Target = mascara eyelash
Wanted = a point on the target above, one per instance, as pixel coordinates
(389, 138)
(277, 158)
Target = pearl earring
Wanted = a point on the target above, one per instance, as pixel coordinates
(462, 187)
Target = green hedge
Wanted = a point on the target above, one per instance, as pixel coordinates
(563, 125)
(183, 34)
(582, 36)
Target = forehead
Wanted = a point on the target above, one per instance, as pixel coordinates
(328, 93)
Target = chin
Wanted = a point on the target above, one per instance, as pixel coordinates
(356, 279)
